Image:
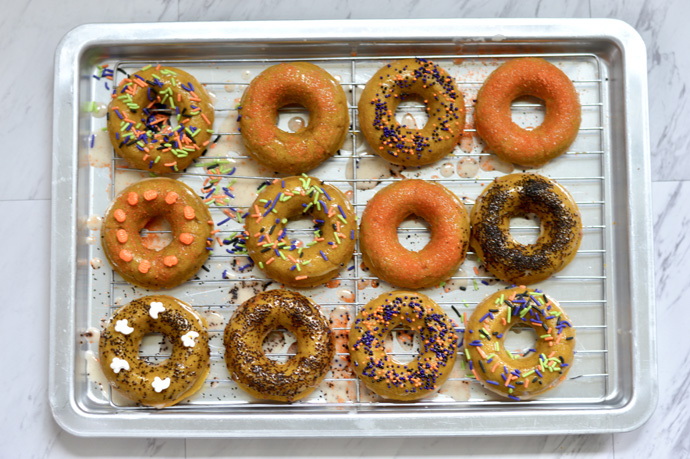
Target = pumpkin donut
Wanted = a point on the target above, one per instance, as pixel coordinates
(400, 144)
(288, 261)
(265, 378)
(529, 76)
(190, 222)
(519, 376)
(156, 384)
(520, 194)
(144, 136)
(299, 83)
(382, 373)
(439, 259)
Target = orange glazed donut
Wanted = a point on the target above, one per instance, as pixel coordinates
(190, 222)
(439, 259)
(400, 144)
(528, 76)
(293, 83)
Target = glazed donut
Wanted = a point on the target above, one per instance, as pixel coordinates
(382, 373)
(528, 76)
(190, 222)
(540, 368)
(288, 261)
(299, 83)
(156, 384)
(439, 259)
(265, 378)
(144, 136)
(400, 144)
(520, 194)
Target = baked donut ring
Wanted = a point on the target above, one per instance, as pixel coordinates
(288, 261)
(382, 373)
(268, 379)
(400, 144)
(144, 136)
(540, 368)
(156, 384)
(190, 222)
(529, 76)
(299, 83)
(381, 249)
(520, 194)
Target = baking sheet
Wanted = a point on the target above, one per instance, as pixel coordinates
(590, 288)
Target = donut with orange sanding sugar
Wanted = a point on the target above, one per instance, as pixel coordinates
(379, 371)
(519, 376)
(140, 114)
(190, 223)
(163, 383)
(300, 83)
(449, 225)
(401, 144)
(529, 76)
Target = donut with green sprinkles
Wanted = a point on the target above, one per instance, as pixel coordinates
(443, 104)
(519, 375)
(160, 119)
(381, 372)
(291, 261)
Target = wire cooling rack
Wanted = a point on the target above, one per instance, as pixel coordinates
(229, 277)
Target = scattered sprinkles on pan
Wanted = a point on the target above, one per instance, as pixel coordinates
(515, 375)
(139, 119)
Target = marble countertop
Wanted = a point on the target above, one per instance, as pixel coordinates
(29, 33)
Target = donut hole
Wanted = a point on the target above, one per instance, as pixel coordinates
(414, 233)
(299, 228)
(411, 112)
(292, 118)
(520, 340)
(403, 344)
(280, 345)
(162, 112)
(528, 112)
(155, 347)
(156, 234)
(525, 229)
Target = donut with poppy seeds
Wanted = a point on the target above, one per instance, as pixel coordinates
(444, 105)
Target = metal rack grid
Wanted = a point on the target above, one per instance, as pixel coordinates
(596, 229)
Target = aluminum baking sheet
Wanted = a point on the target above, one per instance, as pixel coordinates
(607, 289)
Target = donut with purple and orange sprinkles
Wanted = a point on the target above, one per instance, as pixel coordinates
(140, 118)
(524, 374)
(444, 106)
(379, 371)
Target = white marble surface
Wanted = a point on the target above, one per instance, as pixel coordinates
(29, 33)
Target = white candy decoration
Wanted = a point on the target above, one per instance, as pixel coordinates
(155, 308)
(119, 364)
(188, 338)
(123, 327)
(159, 385)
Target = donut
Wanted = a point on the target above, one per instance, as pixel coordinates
(155, 384)
(288, 261)
(449, 224)
(299, 83)
(265, 378)
(190, 222)
(382, 373)
(529, 76)
(140, 113)
(517, 195)
(405, 145)
(519, 376)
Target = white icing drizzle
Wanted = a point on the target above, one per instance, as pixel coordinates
(123, 327)
(156, 307)
(159, 385)
(119, 364)
(189, 337)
